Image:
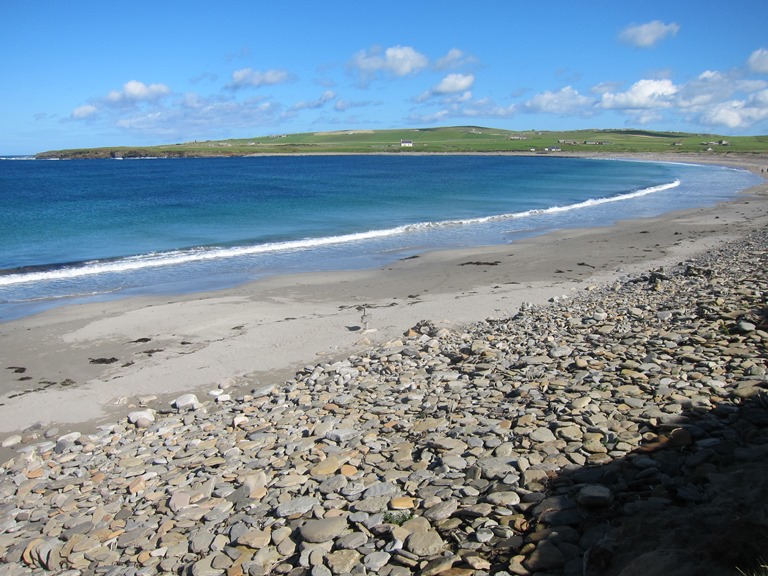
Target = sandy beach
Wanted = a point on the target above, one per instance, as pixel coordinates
(77, 366)
(438, 416)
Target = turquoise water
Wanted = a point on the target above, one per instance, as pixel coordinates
(89, 229)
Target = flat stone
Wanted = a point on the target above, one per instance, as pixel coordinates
(326, 467)
(263, 390)
(11, 441)
(507, 498)
(255, 539)
(186, 401)
(299, 505)
(442, 510)
(595, 496)
(424, 543)
(402, 503)
(441, 565)
(343, 561)
(542, 435)
(351, 541)
(375, 561)
(381, 489)
(494, 468)
(323, 530)
(342, 434)
(546, 556)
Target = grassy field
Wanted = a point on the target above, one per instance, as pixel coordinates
(460, 139)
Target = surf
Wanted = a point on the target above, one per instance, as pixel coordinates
(69, 271)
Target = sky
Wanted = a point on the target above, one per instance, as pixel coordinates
(95, 73)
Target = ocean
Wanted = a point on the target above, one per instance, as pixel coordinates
(85, 230)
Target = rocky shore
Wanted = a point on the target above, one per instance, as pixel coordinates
(621, 431)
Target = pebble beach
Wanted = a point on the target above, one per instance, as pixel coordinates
(613, 421)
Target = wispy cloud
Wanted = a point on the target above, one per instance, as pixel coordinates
(207, 117)
(250, 78)
(344, 105)
(649, 34)
(758, 61)
(454, 59)
(460, 108)
(133, 94)
(83, 112)
(565, 102)
(325, 97)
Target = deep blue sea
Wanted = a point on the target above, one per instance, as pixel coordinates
(81, 230)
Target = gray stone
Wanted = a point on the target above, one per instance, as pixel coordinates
(424, 543)
(442, 510)
(507, 498)
(343, 561)
(299, 505)
(546, 556)
(186, 401)
(595, 496)
(323, 530)
(542, 435)
(375, 561)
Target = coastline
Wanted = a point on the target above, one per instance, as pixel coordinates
(148, 350)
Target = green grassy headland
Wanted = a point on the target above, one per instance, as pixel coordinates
(459, 139)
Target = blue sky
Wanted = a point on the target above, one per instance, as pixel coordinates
(96, 73)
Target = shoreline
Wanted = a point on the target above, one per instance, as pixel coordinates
(268, 329)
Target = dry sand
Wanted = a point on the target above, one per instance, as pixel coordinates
(165, 346)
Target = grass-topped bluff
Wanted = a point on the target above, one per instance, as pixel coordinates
(457, 140)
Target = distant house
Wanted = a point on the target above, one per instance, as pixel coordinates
(406, 143)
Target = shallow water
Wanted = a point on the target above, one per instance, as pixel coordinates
(91, 229)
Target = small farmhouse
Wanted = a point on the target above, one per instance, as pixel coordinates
(406, 143)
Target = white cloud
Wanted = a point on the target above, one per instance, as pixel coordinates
(450, 88)
(455, 58)
(83, 112)
(134, 91)
(487, 108)
(712, 87)
(643, 94)
(738, 113)
(466, 108)
(564, 102)
(454, 83)
(433, 118)
(203, 117)
(604, 87)
(325, 97)
(646, 35)
(397, 60)
(404, 60)
(344, 105)
(758, 61)
(250, 78)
